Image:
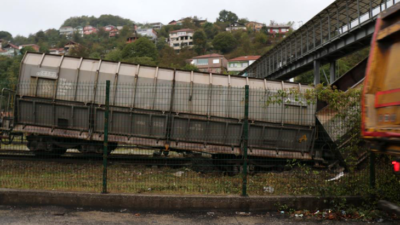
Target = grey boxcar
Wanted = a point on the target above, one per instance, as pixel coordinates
(64, 97)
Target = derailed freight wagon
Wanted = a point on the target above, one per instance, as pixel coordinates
(59, 104)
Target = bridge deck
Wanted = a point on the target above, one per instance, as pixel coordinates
(340, 29)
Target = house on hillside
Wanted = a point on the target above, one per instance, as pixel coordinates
(181, 38)
(255, 26)
(34, 46)
(114, 32)
(236, 26)
(9, 50)
(201, 22)
(237, 65)
(147, 32)
(278, 29)
(132, 38)
(66, 31)
(212, 63)
(109, 28)
(156, 26)
(173, 22)
(69, 46)
(79, 30)
(57, 51)
(87, 30)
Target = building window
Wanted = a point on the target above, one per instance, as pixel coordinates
(176, 45)
(215, 61)
(244, 64)
(181, 33)
(202, 62)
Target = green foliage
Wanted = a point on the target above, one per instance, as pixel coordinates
(148, 61)
(9, 70)
(80, 51)
(143, 47)
(114, 55)
(200, 42)
(210, 30)
(26, 49)
(227, 17)
(343, 66)
(190, 67)
(5, 35)
(161, 43)
(224, 42)
(103, 20)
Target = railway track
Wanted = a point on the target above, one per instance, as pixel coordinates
(71, 157)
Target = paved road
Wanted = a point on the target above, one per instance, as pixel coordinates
(56, 215)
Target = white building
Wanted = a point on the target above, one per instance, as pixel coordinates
(147, 32)
(237, 65)
(236, 26)
(156, 26)
(79, 30)
(66, 31)
(181, 38)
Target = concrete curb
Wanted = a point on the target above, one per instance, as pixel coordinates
(164, 202)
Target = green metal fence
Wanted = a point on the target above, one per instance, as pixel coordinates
(185, 140)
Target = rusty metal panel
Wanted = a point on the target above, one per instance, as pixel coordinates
(280, 138)
(206, 131)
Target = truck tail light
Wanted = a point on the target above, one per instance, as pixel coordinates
(396, 166)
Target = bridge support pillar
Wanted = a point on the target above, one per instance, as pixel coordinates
(317, 74)
(332, 72)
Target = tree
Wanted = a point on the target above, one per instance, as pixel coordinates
(224, 42)
(143, 47)
(200, 42)
(114, 55)
(141, 60)
(168, 58)
(80, 51)
(125, 32)
(103, 20)
(188, 23)
(243, 21)
(26, 49)
(161, 43)
(190, 67)
(5, 35)
(210, 30)
(227, 17)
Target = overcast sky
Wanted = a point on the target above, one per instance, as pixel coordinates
(22, 17)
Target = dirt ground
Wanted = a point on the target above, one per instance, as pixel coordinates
(12, 215)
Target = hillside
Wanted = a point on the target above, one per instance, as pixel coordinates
(209, 37)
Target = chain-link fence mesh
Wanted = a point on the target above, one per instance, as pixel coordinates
(182, 138)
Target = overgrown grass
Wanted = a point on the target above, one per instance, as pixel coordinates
(128, 178)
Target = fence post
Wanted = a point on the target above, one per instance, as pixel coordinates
(105, 149)
(372, 170)
(245, 139)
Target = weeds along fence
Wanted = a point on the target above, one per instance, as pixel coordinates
(185, 139)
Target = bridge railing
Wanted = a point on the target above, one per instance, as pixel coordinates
(337, 20)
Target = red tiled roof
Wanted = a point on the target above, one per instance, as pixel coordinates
(245, 58)
(208, 56)
(279, 26)
(13, 46)
(182, 30)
